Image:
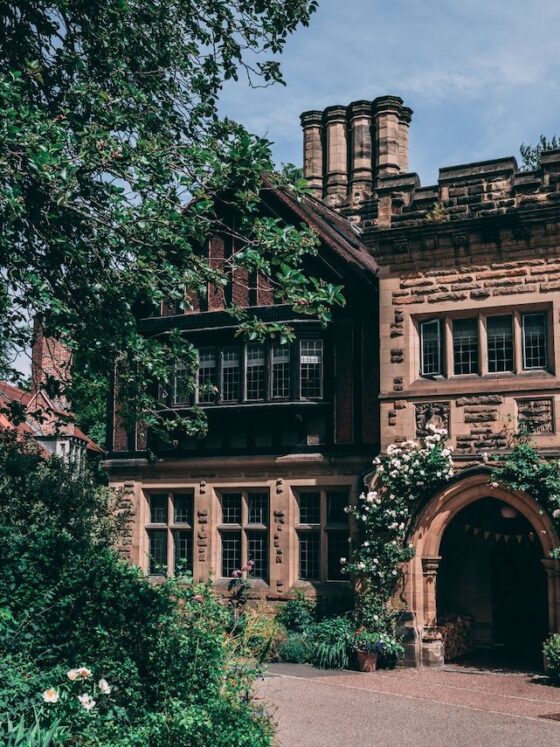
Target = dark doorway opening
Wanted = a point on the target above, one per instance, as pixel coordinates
(492, 588)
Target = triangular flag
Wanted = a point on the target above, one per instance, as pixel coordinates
(506, 537)
(519, 537)
(498, 536)
(486, 535)
(476, 530)
(467, 527)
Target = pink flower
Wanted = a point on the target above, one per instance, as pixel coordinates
(236, 574)
(198, 598)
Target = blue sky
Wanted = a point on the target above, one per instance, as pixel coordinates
(482, 76)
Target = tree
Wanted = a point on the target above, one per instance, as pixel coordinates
(531, 154)
(68, 600)
(109, 129)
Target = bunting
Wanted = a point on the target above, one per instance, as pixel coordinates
(498, 536)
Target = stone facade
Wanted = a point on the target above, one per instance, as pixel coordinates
(457, 325)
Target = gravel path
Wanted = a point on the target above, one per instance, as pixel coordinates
(418, 707)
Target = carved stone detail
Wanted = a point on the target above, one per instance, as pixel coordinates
(535, 415)
(431, 413)
(397, 355)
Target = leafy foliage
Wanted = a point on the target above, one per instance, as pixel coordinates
(409, 474)
(298, 614)
(67, 600)
(524, 469)
(551, 650)
(295, 649)
(109, 129)
(531, 154)
(331, 642)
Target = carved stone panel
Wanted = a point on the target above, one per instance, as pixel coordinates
(535, 415)
(431, 413)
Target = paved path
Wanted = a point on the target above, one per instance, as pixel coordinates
(411, 707)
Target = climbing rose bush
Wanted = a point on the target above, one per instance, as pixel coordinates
(409, 474)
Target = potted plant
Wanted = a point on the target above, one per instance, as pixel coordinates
(370, 645)
(367, 646)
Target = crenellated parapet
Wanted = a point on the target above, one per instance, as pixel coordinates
(356, 160)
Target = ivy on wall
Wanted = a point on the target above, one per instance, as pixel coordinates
(526, 471)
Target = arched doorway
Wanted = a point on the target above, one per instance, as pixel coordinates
(422, 576)
(491, 593)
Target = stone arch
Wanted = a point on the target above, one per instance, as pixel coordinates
(426, 535)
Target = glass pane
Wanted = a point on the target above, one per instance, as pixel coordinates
(183, 508)
(258, 508)
(255, 372)
(181, 394)
(309, 508)
(336, 503)
(534, 341)
(500, 343)
(309, 555)
(183, 551)
(207, 377)
(157, 551)
(257, 551)
(465, 346)
(231, 508)
(337, 550)
(311, 368)
(280, 371)
(158, 508)
(231, 553)
(431, 348)
(230, 375)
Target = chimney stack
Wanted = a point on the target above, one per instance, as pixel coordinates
(49, 358)
(337, 151)
(347, 150)
(312, 124)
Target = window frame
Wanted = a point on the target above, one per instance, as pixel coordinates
(171, 527)
(291, 375)
(245, 529)
(441, 348)
(324, 529)
(455, 322)
(514, 357)
(524, 316)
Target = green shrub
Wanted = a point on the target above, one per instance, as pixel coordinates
(20, 735)
(296, 649)
(297, 614)
(260, 635)
(551, 650)
(68, 600)
(332, 640)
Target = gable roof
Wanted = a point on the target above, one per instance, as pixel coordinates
(55, 417)
(335, 231)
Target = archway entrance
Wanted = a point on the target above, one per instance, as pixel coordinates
(512, 574)
(492, 587)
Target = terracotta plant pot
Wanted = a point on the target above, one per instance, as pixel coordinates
(367, 662)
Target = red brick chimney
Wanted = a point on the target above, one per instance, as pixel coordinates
(49, 358)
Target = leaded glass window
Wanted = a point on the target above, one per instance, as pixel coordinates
(255, 374)
(534, 341)
(311, 368)
(431, 348)
(465, 346)
(499, 332)
(280, 370)
(230, 375)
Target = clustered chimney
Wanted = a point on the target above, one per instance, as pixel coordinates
(348, 149)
